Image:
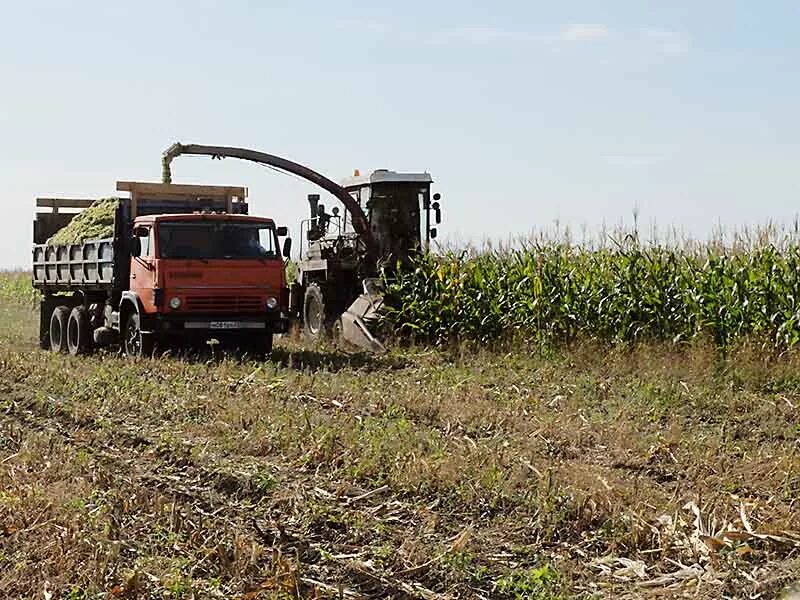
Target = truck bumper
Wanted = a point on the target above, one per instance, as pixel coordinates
(210, 325)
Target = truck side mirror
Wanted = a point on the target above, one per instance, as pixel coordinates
(437, 211)
(287, 247)
(136, 246)
(282, 231)
(434, 233)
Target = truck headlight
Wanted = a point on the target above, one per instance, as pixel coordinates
(272, 303)
(174, 303)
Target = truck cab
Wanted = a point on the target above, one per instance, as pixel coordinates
(185, 262)
(208, 272)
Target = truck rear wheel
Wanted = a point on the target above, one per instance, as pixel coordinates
(79, 335)
(134, 342)
(58, 329)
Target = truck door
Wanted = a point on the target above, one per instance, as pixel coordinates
(143, 269)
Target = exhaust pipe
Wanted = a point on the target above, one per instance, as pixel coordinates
(313, 203)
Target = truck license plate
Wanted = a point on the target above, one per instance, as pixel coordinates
(225, 325)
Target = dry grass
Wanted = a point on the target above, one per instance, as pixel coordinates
(423, 474)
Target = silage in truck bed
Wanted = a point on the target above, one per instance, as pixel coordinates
(95, 222)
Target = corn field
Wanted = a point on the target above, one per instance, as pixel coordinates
(558, 291)
(16, 289)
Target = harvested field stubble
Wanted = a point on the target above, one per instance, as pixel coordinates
(600, 472)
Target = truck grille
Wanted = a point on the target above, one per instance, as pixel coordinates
(225, 303)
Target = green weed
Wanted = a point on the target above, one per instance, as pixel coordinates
(540, 583)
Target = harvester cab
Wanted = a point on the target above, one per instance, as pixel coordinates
(398, 207)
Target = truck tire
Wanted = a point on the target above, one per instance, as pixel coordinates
(45, 314)
(134, 343)
(315, 321)
(58, 329)
(104, 336)
(79, 335)
(265, 344)
(259, 346)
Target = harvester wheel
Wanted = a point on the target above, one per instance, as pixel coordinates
(315, 323)
(79, 335)
(58, 329)
(134, 342)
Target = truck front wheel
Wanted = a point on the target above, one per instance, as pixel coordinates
(79, 335)
(266, 344)
(134, 342)
(58, 329)
(259, 346)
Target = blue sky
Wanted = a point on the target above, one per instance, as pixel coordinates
(524, 112)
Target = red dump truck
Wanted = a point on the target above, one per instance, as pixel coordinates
(185, 263)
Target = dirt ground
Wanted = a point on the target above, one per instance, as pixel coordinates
(591, 472)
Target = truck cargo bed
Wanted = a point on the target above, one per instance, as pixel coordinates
(88, 265)
(104, 264)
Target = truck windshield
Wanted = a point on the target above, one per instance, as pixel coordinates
(193, 239)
